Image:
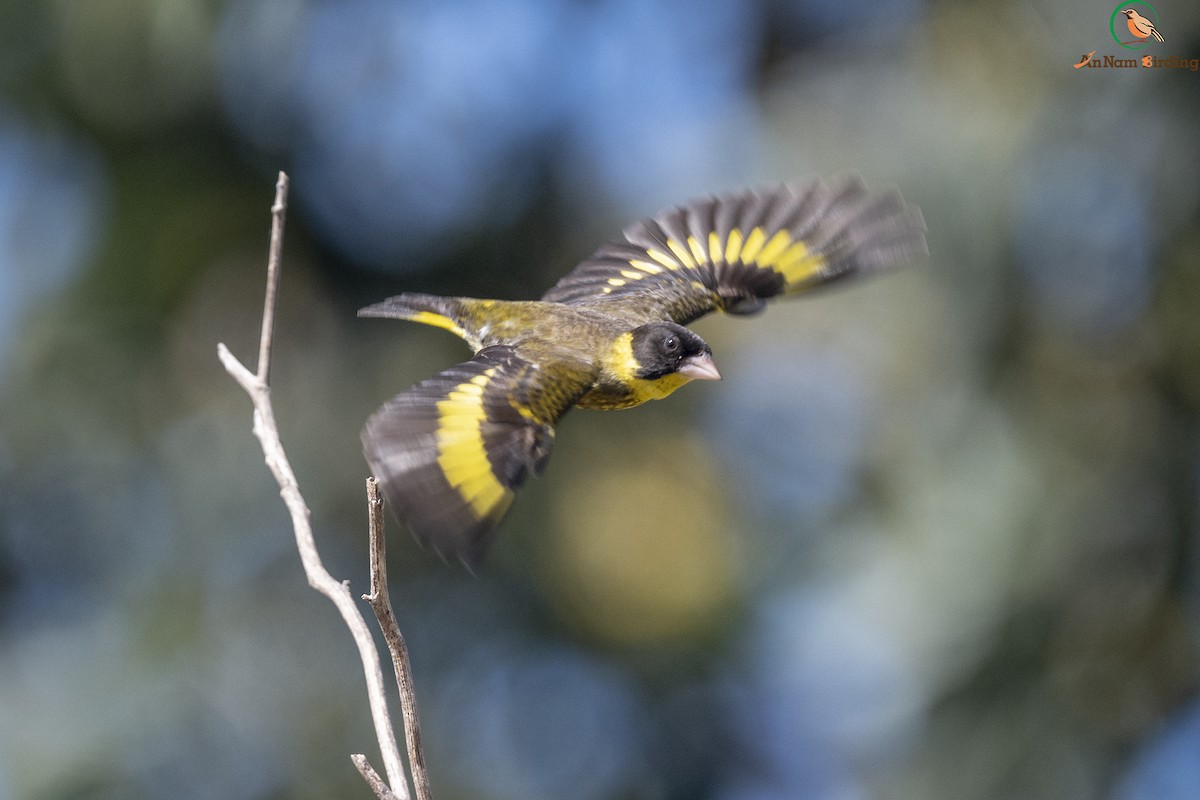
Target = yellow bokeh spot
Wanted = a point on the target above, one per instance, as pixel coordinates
(641, 551)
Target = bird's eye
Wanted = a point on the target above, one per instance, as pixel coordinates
(671, 344)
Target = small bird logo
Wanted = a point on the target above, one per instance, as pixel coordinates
(1084, 59)
(1140, 26)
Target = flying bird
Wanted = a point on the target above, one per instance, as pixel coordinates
(451, 452)
(1139, 26)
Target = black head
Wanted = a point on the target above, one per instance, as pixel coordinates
(664, 348)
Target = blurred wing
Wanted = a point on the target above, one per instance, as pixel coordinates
(451, 452)
(733, 253)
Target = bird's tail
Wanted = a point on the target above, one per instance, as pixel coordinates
(1157, 35)
(428, 309)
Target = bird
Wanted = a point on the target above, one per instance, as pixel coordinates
(1139, 26)
(451, 452)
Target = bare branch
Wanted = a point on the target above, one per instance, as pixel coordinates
(257, 387)
(381, 604)
(274, 254)
(377, 784)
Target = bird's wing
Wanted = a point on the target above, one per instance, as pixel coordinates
(451, 452)
(734, 252)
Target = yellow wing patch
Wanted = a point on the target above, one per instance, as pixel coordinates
(451, 452)
(754, 243)
(797, 264)
(774, 247)
(733, 246)
(642, 268)
(646, 266)
(733, 253)
(662, 258)
(461, 452)
(683, 255)
(780, 253)
(714, 247)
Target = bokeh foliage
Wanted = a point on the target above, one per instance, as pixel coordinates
(933, 537)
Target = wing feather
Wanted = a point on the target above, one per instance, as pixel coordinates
(733, 253)
(451, 452)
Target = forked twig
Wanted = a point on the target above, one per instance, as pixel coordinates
(257, 386)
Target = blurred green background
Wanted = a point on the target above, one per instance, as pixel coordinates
(933, 537)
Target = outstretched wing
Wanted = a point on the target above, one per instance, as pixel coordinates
(732, 253)
(451, 452)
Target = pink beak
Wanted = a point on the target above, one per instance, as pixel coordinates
(699, 367)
